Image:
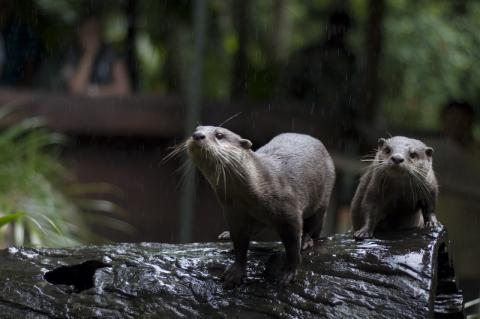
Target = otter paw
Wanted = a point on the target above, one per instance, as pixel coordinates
(432, 224)
(307, 242)
(233, 276)
(224, 236)
(362, 234)
(287, 276)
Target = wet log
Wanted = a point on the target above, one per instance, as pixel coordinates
(399, 275)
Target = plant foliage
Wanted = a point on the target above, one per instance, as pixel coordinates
(34, 197)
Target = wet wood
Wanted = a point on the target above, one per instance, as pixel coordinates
(401, 275)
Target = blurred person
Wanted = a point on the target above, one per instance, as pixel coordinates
(322, 75)
(92, 67)
(19, 48)
(457, 123)
(457, 150)
(457, 166)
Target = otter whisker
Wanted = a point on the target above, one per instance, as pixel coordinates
(218, 167)
(223, 166)
(370, 155)
(376, 168)
(236, 164)
(421, 184)
(384, 184)
(233, 163)
(229, 119)
(425, 189)
(224, 182)
(217, 172)
(185, 162)
(176, 150)
(187, 171)
(412, 190)
(421, 173)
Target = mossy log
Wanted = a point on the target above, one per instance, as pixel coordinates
(399, 275)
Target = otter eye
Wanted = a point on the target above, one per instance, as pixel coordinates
(387, 150)
(413, 155)
(219, 136)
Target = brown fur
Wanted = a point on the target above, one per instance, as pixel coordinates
(399, 189)
(285, 185)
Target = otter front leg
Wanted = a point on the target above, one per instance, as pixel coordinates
(428, 212)
(430, 220)
(240, 235)
(366, 231)
(225, 235)
(290, 232)
(370, 223)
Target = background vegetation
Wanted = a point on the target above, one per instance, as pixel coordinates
(40, 203)
(431, 53)
(428, 56)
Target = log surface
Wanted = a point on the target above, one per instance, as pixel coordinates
(402, 275)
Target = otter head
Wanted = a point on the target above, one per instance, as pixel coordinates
(400, 156)
(218, 152)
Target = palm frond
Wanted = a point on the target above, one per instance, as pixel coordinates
(34, 195)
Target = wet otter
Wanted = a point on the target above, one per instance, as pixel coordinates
(399, 189)
(286, 184)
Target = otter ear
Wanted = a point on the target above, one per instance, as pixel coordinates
(429, 151)
(381, 142)
(246, 144)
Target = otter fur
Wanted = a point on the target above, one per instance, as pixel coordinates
(285, 185)
(398, 191)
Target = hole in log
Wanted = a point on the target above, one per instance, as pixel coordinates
(79, 276)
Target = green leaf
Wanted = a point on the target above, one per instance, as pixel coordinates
(4, 220)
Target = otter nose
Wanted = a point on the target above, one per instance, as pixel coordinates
(397, 158)
(198, 136)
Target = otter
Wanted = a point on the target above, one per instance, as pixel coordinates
(398, 191)
(286, 185)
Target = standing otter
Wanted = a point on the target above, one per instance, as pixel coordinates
(286, 185)
(399, 189)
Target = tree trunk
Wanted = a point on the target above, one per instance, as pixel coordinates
(402, 275)
(280, 31)
(240, 64)
(373, 45)
(193, 114)
(278, 45)
(131, 58)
